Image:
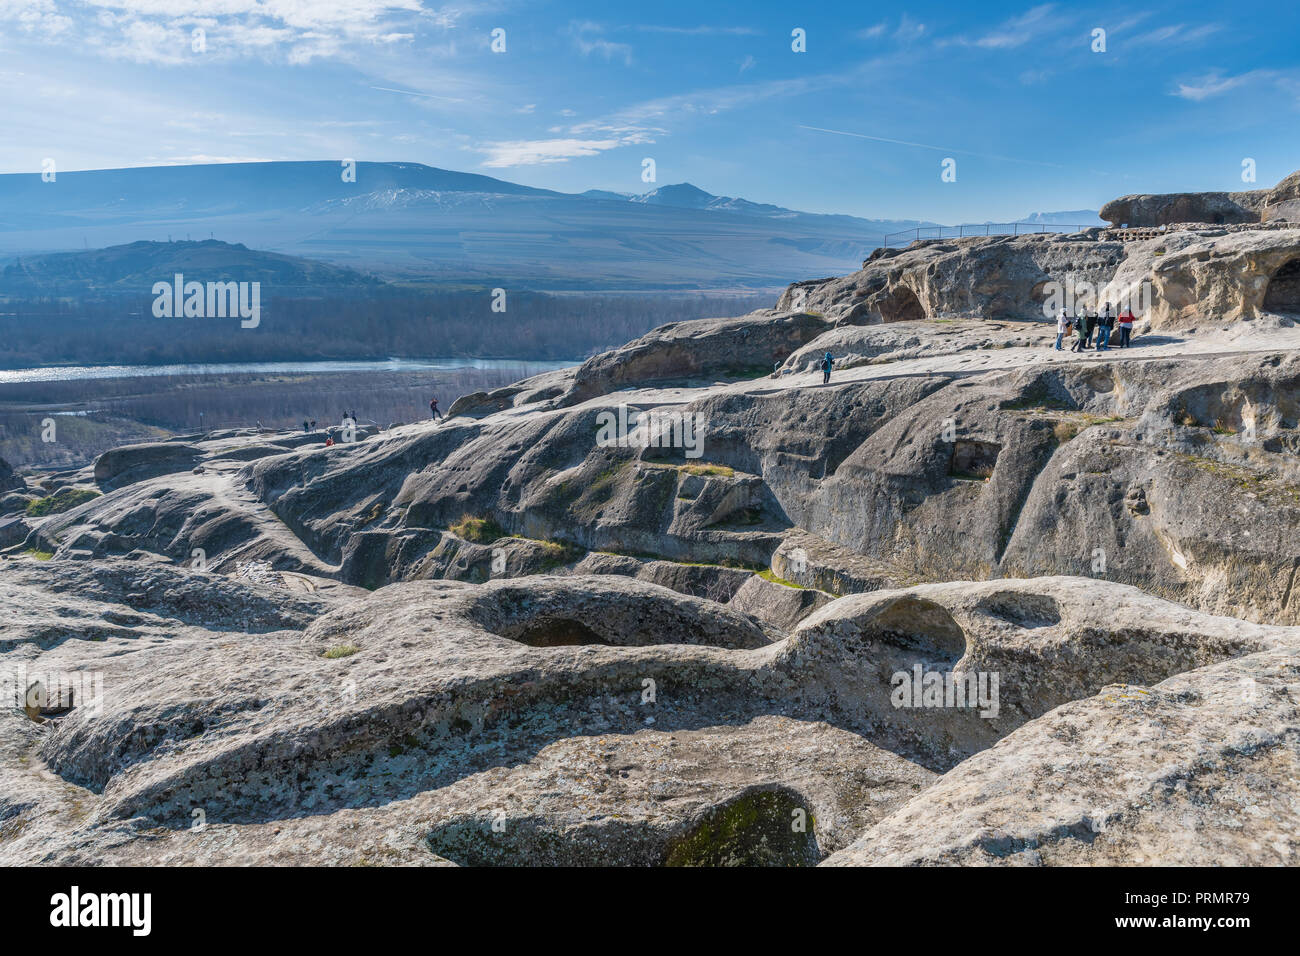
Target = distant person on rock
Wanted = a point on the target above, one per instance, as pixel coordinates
(313, 424)
(1062, 326)
(827, 364)
(1125, 327)
(329, 442)
(304, 426)
(433, 410)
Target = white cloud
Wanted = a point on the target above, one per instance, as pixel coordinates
(587, 37)
(909, 30)
(700, 31)
(1214, 83)
(1177, 34)
(1018, 31)
(159, 31)
(534, 152)
(198, 158)
(747, 64)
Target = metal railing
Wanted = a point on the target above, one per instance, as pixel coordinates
(906, 236)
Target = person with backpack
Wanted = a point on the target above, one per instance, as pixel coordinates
(1125, 327)
(827, 364)
(1080, 332)
(433, 410)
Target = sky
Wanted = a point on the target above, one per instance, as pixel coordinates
(1039, 107)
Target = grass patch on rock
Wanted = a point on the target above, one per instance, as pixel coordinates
(58, 503)
(769, 575)
(707, 471)
(341, 650)
(478, 530)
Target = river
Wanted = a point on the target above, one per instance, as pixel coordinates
(64, 373)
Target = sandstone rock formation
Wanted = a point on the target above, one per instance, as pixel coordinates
(975, 601)
(1217, 208)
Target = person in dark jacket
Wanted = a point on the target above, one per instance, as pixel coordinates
(1105, 323)
(433, 410)
(1080, 332)
(827, 364)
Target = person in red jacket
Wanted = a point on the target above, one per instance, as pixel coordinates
(1125, 327)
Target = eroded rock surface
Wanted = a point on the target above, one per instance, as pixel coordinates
(505, 640)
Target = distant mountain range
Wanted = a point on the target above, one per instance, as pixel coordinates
(411, 223)
(1077, 217)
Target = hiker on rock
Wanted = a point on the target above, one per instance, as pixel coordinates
(304, 426)
(1062, 327)
(1105, 323)
(827, 364)
(1080, 332)
(433, 410)
(1125, 327)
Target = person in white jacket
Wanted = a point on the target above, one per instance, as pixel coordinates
(1062, 325)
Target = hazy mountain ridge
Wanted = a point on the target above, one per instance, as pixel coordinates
(134, 268)
(415, 222)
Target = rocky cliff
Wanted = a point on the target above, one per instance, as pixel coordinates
(974, 601)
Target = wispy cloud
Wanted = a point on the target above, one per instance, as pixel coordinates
(587, 37)
(1215, 83)
(535, 152)
(699, 31)
(939, 149)
(1178, 34)
(176, 32)
(1017, 31)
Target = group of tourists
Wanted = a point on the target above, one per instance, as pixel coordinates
(1087, 321)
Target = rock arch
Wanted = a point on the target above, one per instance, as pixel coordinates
(1283, 293)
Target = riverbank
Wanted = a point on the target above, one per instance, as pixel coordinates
(65, 423)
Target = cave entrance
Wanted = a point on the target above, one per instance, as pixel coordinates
(902, 305)
(974, 460)
(1283, 293)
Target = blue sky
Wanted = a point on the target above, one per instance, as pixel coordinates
(859, 123)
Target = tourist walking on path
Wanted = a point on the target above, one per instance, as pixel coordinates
(827, 364)
(1091, 327)
(1080, 332)
(433, 410)
(1125, 327)
(1062, 326)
